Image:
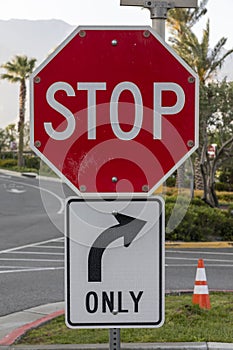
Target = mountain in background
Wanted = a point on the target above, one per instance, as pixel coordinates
(38, 39)
(32, 38)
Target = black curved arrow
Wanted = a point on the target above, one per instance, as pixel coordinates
(128, 228)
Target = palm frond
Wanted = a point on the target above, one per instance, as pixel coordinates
(198, 13)
(18, 69)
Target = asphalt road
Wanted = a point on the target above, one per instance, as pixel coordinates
(32, 248)
(181, 267)
(30, 212)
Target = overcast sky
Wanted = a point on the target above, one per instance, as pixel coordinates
(109, 12)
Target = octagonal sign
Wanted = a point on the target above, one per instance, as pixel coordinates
(114, 110)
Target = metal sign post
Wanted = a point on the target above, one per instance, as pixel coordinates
(114, 339)
(158, 10)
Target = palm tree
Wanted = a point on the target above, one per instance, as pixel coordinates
(205, 61)
(179, 21)
(188, 16)
(3, 138)
(198, 54)
(18, 70)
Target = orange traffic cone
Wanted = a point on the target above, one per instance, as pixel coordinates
(201, 292)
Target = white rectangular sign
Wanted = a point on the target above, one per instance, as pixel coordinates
(114, 263)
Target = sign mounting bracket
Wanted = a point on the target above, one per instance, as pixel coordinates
(158, 10)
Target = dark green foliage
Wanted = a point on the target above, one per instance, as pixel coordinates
(171, 181)
(32, 162)
(8, 163)
(223, 186)
(200, 223)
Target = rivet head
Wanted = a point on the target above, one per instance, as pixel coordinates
(146, 33)
(83, 188)
(37, 144)
(114, 179)
(191, 79)
(114, 312)
(190, 143)
(145, 188)
(114, 42)
(37, 79)
(82, 33)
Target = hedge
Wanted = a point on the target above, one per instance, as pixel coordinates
(200, 223)
(8, 163)
(30, 162)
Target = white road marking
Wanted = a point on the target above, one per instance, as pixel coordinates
(61, 200)
(32, 270)
(50, 246)
(17, 267)
(39, 253)
(22, 268)
(31, 245)
(15, 190)
(13, 259)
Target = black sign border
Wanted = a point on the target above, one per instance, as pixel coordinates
(157, 323)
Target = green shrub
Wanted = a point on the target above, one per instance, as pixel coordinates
(8, 155)
(199, 223)
(225, 196)
(8, 163)
(171, 181)
(198, 201)
(32, 162)
(223, 186)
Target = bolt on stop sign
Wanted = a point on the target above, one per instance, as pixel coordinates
(114, 110)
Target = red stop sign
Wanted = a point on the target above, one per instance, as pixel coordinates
(114, 110)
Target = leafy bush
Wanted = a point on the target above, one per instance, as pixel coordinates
(199, 223)
(8, 163)
(32, 162)
(171, 181)
(223, 186)
(8, 155)
(225, 196)
(198, 201)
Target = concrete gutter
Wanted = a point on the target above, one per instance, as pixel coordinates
(225, 244)
(124, 346)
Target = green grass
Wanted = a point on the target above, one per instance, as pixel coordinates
(184, 322)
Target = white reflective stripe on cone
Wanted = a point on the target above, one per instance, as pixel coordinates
(201, 275)
(201, 290)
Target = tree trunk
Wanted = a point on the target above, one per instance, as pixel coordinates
(180, 177)
(198, 180)
(22, 100)
(208, 173)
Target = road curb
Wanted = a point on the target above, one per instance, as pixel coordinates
(125, 346)
(225, 244)
(10, 338)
